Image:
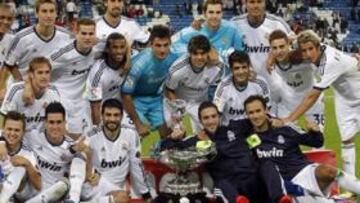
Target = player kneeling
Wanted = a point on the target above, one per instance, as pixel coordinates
(65, 165)
(17, 162)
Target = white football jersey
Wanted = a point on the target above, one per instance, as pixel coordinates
(341, 71)
(114, 160)
(4, 47)
(34, 113)
(27, 44)
(53, 161)
(103, 82)
(70, 69)
(230, 99)
(192, 85)
(131, 30)
(256, 39)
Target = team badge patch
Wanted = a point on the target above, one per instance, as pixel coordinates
(281, 139)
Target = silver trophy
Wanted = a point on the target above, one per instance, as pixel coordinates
(184, 181)
(177, 107)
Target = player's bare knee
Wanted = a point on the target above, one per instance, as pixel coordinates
(120, 196)
(326, 173)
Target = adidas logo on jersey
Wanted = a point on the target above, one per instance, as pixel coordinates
(295, 84)
(75, 72)
(112, 164)
(36, 118)
(274, 152)
(47, 165)
(236, 111)
(257, 49)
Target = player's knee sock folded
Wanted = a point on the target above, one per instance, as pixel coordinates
(12, 183)
(348, 182)
(348, 155)
(77, 178)
(104, 199)
(51, 194)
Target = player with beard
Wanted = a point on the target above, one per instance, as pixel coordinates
(116, 150)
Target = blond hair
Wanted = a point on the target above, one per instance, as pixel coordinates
(308, 36)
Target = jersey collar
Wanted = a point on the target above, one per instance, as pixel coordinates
(110, 24)
(253, 25)
(42, 39)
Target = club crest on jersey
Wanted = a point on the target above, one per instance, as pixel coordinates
(224, 40)
(65, 158)
(281, 139)
(231, 135)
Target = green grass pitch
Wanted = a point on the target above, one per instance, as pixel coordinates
(332, 137)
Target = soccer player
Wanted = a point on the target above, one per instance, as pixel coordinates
(107, 75)
(298, 76)
(71, 65)
(18, 162)
(38, 40)
(236, 88)
(256, 25)
(58, 157)
(282, 146)
(142, 91)
(190, 78)
(7, 16)
(235, 170)
(113, 21)
(44, 93)
(341, 71)
(223, 35)
(116, 150)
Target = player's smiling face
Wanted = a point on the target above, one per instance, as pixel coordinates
(161, 47)
(13, 131)
(213, 15)
(117, 50)
(256, 113)
(6, 20)
(55, 127)
(114, 7)
(86, 36)
(112, 118)
(40, 76)
(199, 58)
(241, 72)
(310, 52)
(280, 49)
(255, 8)
(209, 118)
(46, 14)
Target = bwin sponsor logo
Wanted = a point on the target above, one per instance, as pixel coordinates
(236, 111)
(270, 153)
(37, 118)
(257, 49)
(112, 164)
(47, 165)
(76, 72)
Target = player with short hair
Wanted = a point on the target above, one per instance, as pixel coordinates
(341, 71)
(298, 76)
(65, 165)
(71, 66)
(113, 21)
(234, 89)
(7, 16)
(44, 93)
(18, 162)
(222, 34)
(282, 146)
(235, 171)
(142, 91)
(116, 150)
(107, 76)
(35, 41)
(190, 78)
